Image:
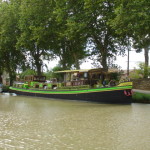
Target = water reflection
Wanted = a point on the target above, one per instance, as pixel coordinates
(36, 123)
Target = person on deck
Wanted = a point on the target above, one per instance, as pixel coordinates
(104, 83)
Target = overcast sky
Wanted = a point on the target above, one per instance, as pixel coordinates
(135, 58)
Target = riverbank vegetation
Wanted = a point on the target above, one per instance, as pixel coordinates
(140, 73)
(32, 31)
(141, 97)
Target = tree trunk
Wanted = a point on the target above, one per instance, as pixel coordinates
(146, 50)
(12, 77)
(102, 50)
(38, 62)
(77, 64)
(10, 71)
(63, 60)
(104, 61)
(39, 72)
(38, 67)
(11, 74)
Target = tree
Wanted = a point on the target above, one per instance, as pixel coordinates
(36, 34)
(100, 34)
(132, 19)
(71, 37)
(10, 57)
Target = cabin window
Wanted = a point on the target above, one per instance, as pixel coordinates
(85, 75)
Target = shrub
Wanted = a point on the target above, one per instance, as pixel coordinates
(5, 88)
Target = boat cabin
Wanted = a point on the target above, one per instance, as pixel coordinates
(74, 77)
(84, 77)
(40, 81)
(34, 78)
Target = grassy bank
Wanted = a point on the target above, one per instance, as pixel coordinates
(141, 97)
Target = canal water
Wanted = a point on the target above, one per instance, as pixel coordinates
(47, 124)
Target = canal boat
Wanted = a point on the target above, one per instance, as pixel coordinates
(118, 94)
(83, 85)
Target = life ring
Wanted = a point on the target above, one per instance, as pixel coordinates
(128, 92)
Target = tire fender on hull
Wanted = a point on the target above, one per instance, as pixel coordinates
(128, 92)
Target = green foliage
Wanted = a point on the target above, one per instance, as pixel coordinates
(36, 26)
(135, 75)
(48, 75)
(32, 31)
(5, 88)
(143, 69)
(25, 86)
(27, 72)
(10, 57)
(141, 98)
(104, 42)
(33, 83)
(71, 36)
(115, 76)
(51, 74)
(141, 72)
(58, 76)
(132, 19)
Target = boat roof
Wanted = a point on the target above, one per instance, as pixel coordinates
(87, 70)
(69, 71)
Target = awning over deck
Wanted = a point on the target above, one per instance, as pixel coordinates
(72, 71)
(98, 70)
